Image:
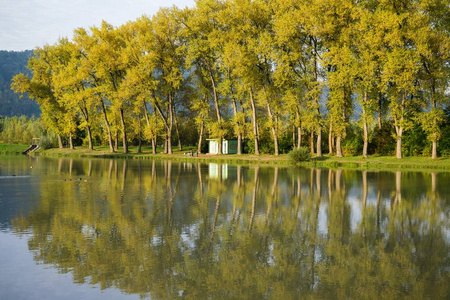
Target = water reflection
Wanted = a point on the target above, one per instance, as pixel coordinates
(168, 229)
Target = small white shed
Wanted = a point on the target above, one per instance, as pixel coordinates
(214, 146)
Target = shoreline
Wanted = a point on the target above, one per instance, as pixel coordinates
(441, 164)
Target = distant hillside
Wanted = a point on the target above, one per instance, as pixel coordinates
(12, 63)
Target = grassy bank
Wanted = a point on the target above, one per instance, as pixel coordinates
(12, 149)
(103, 152)
(381, 162)
(354, 162)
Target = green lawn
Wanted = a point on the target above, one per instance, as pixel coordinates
(357, 162)
(382, 162)
(12, 148)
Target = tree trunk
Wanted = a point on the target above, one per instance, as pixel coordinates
(169, 129)
(154, 145)
(85, 114)
(147, 120)
(124, 133)
(366, 139)
(434, 150)
(238, 128)
(379, 111)
(140, 143)
(239, 143)
(399, 131)
(220, 148)
(108, 127)
(274, 130)
(366, 133)
(319, 141)
(216, 105)
(238, 124)
(60, 143)
(312, 142)
(399, 128)
(299, 136)
(399, 147)
(200, 138)
(434, 147)
(89, 134)
(330, 139)
(169, 143)
(254, 122)
(315, 74)
(165, 143)
(116, 140)
(333, 142)
(338, 147)
(71, 142)
(180, 147)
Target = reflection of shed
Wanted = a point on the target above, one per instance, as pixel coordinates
(228, 146)
(217, 171)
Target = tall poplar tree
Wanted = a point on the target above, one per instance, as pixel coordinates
(401, 63)
(72, 89)
(202, 52)
(169, 61)
(88, 45)
(433, 45)
(41, 88)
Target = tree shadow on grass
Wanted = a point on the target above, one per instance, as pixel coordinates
(322, 158)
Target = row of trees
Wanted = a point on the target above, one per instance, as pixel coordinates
(249, 69)
(20, 130)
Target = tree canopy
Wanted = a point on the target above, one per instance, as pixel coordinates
(267, 73)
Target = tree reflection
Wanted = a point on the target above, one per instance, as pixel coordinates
(168, 229)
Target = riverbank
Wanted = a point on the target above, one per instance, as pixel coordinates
(354, 162)
(12, 149)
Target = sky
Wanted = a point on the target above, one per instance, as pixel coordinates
(27, 24)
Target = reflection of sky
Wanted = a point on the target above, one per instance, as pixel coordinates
(22, 278)
(447, 234)
(354, 200)
(323, 218)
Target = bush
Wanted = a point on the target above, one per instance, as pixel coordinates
(299, 154)
(382, 142)
(353, 143)
(46, 142)
(353, 146)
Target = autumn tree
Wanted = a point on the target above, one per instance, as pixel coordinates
(40, 87)
(200, 27)
(433, 46)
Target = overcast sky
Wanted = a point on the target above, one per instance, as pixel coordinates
(27, 24)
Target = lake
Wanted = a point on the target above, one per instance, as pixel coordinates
(115, 229)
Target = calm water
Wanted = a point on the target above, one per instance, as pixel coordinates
(113, 229)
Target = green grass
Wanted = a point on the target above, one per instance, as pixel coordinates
(354, 162)
(103, 152)
(381, 162)
(8, 149)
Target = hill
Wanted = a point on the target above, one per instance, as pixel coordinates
(12, 63)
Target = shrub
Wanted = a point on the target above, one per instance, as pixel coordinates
(46, 142)
(299, 154)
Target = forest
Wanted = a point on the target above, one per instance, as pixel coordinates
(11, 63)
(342, 77)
